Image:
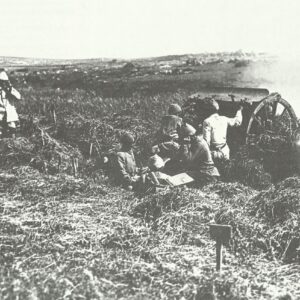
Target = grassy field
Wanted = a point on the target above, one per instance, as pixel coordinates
(80, 237)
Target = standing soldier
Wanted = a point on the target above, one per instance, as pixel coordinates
(215, 130)
(8, 114)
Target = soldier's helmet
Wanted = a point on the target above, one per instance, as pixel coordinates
(174, 109)
(187, 130)
(212, 105)
(127, 139)
(3, 76)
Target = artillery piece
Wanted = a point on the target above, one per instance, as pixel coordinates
(269, 130)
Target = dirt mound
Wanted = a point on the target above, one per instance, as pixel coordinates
(279, 209)
(266, 223)
(89, 135)
(30, 183)
(15, 151)
(94, 136)
(182, 215)
(247, 171)
(279, 203)
(263, 224)
(41, 152)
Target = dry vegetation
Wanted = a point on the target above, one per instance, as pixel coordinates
(80, 237)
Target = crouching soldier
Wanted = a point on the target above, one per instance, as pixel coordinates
(195, 156)
(126, 171)
(167, 143)
(8, 115)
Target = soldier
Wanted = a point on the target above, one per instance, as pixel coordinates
(8, 114)
(126, 171)
(195, 155)
(167, 137)
(215, 131)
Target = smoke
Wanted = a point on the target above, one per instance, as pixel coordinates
(281, 75)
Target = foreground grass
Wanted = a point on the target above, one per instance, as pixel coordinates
(69, 238)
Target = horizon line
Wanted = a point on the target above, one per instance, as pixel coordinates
(135, 58)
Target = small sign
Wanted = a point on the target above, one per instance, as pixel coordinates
(221, 234)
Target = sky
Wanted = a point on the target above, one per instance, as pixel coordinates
(143, 28)
(70, 29)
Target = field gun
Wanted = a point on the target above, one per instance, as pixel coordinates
(270, 129)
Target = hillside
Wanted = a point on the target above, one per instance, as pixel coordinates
(70, 233)
(7, 61)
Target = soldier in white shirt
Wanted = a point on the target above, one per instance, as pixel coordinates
(8, 113)
(215, 131)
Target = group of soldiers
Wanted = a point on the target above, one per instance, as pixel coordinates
(179, 148)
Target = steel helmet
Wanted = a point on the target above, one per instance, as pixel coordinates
(188, 130)
(174, 109)
(212, 104)
(3, 76)
(127, 139)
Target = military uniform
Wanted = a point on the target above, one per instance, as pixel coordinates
(8, 114)
(197, 159)
(126, 169)
(167, 136)
(215, 133)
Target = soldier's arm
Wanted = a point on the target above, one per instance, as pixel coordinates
(184, 153)
(237, 120)
(15, 94)
(122, 170)
(207, 132)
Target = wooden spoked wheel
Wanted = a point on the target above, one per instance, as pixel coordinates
(274, 117)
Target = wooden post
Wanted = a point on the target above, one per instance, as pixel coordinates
(219, 255)
(221, 234)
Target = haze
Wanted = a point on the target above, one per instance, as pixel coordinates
(142, 28)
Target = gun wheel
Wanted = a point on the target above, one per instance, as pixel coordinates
(274, 116)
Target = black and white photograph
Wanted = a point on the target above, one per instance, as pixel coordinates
(150, 149)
